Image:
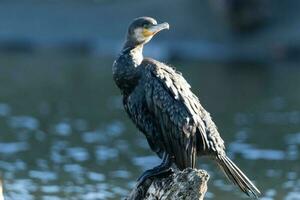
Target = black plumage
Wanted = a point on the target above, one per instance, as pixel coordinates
(161, 104)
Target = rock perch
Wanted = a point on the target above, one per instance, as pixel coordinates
(189, 184)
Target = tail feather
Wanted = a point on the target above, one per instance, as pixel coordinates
(234, 174)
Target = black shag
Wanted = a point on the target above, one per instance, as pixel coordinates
(161, 104)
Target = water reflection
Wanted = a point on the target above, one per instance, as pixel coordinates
(249, 152)
(4, 110)
(65, 140)
(13, 147)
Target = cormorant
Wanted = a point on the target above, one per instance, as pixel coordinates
(161, 104)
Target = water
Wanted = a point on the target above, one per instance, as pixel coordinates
(64, 134)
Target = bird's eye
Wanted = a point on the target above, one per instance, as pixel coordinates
(146, 25)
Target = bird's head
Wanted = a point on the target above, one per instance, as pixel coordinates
(142, 29)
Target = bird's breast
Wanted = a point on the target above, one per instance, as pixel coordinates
(125, 75)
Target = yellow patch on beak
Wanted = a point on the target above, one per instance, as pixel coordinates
(147, 33)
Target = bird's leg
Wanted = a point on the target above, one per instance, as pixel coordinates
(163, 169)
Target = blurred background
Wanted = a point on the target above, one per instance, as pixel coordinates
(64, 134)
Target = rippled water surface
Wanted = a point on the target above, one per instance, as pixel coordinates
(64, 134)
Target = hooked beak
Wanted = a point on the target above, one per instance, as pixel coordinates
(155, 29)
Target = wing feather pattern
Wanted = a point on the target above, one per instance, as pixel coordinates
(179, 113)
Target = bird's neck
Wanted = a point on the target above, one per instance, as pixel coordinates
(125, 69)
(134, 53)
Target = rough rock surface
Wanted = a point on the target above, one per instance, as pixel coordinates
(189, 184)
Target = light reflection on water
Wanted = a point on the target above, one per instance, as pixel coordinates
(252, 153)
(65, 140)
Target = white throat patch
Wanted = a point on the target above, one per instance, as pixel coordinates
(137, 56)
